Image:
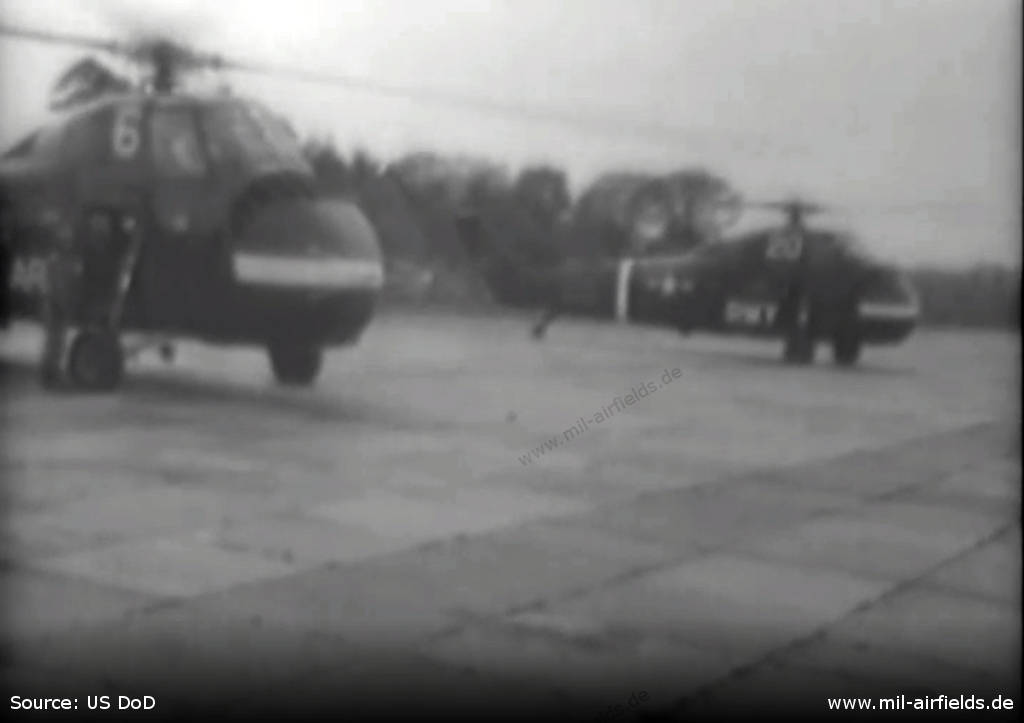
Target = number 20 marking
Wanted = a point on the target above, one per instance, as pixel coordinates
(126, 139)
(786, 245)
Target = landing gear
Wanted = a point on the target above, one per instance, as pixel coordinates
(847, 341)
(96, 360)
(295, 364)
(540, 328)
(107, 252)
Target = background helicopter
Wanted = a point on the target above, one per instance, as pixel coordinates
(237, 245)
(800, 284)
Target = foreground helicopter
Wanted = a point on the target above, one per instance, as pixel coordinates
(795, 283)
(237, 246)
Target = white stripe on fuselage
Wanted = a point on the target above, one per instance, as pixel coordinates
(310, 272)
(879, 310)
(625, 271)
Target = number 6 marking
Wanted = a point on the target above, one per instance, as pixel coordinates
(126, 138)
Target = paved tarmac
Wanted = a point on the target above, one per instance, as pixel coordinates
(460, 518)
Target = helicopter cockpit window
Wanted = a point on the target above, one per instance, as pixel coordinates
(244, 132)
(175, 143)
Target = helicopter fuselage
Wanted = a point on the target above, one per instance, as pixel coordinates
(758, 284)
(237, 247)
(752, 286)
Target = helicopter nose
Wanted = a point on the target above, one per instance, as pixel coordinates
(322, 244)
(890, 296)
(889, 308)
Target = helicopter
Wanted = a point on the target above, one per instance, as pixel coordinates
(796, 283)
(238, 247)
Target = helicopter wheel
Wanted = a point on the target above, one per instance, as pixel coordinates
(847, 341)
(96, 360)
(846, 347)
(295, 365)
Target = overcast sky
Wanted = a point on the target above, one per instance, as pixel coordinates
(902, 113)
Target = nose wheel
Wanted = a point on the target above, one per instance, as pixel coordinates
(295, 364)
(846, 349)
(96, 360)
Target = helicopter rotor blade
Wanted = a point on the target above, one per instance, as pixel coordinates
(490, 106)
(360, 84)
(139, 50)
(803, 207)
(183, 57)
(134, 23)
(924, 207)
(69, 39)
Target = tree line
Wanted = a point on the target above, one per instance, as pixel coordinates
(415, 203)
(985, 295)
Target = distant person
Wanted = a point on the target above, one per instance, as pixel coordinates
(552, 310)
(790, 255)
(63, 268)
